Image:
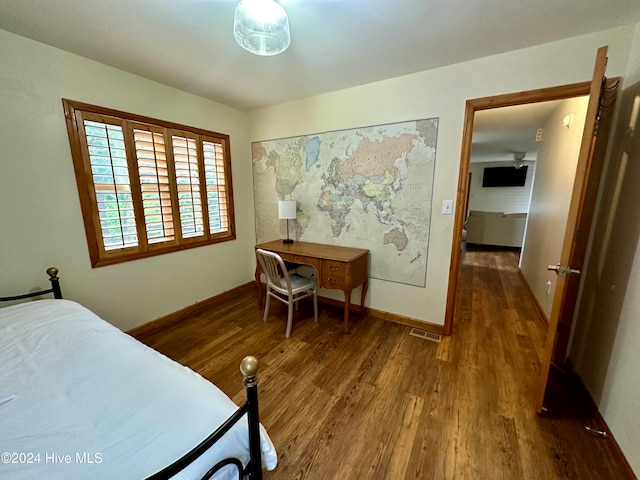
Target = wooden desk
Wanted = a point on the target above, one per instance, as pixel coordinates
(339, 268)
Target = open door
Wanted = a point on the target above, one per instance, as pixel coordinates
(570, 263)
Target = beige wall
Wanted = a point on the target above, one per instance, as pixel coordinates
(40, 218)
(439, 93)
(633, 69)
(606, 342)
(555, 173)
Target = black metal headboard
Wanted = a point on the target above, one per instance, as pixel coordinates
(55, 288)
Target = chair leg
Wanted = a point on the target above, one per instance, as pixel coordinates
(289, 319)
(315, 305)
(266, 307)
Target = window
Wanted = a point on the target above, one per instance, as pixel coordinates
(147, 186)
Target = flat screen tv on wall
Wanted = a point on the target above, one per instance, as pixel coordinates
(504, 176)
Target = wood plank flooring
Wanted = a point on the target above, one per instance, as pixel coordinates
(382, 404)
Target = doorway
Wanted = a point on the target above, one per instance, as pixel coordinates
(472, 107)
(523, 166)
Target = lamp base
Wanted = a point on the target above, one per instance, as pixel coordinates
(287, 240)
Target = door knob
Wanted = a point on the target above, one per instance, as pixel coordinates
(563, 270)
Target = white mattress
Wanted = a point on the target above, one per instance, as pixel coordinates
(74, 389)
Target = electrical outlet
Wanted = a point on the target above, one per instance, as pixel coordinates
(539, 135)
(447, 207)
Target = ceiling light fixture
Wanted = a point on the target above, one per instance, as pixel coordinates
(518, 159)
(261, 27)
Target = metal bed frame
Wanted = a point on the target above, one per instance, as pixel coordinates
(253, 470)
(55, 288)
(249, 369)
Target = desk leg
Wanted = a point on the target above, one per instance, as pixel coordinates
(347, 307)
(365, 286)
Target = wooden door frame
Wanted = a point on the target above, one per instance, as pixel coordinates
(473, 106)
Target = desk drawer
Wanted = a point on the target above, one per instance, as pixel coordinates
(334, 274)
(314, 262)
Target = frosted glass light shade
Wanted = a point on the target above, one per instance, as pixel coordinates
(286, 209)
(261, 27)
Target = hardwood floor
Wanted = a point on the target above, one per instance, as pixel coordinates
(382, 404)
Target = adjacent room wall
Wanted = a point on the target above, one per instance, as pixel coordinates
(439, 93)
(40, 218)
(555, 173)
(606, 343)
(499, 199)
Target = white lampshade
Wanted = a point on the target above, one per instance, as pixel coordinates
(286, 209)
(261, 27)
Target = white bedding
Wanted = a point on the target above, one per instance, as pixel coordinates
(74, 389)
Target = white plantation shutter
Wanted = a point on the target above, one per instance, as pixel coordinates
(185, 160)
(153, 172)
(148, 186)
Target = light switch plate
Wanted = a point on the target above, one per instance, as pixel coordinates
(447, 207)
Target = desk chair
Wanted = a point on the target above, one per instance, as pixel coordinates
(288, 288)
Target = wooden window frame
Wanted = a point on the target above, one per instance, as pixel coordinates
(100, 255)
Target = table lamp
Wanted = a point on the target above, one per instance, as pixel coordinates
(286, 211)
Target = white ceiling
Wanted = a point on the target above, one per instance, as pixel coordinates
(335, 44)
(500, 132)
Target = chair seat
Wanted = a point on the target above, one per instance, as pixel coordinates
(298, 284)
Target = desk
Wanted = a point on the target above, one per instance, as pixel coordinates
(339, 268)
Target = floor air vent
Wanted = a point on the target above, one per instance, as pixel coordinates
(417, 332)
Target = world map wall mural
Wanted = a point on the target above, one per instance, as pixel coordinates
(368, 187)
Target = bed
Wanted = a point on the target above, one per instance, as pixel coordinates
(81, 399)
